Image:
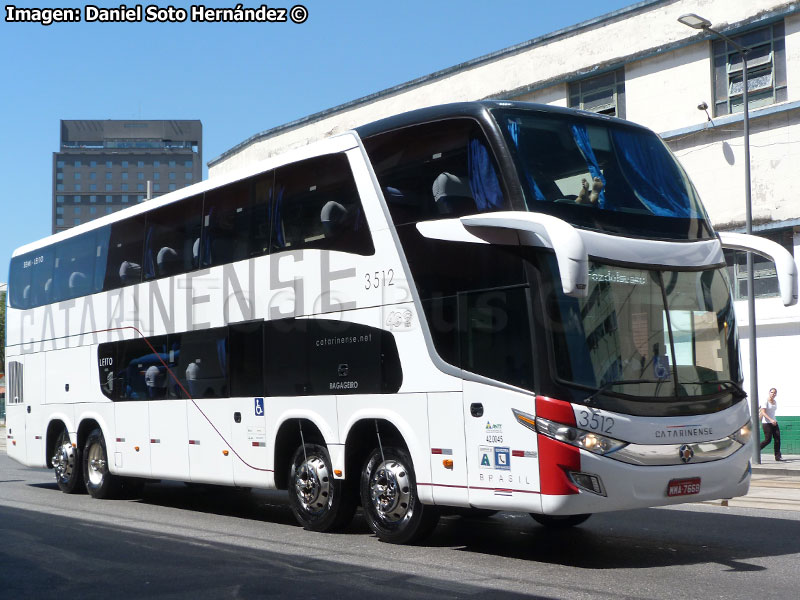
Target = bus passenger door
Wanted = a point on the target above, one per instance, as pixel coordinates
(247, 409)
(495, 342)
(34, 401)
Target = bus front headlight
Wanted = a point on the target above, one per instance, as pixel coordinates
(743, 434)
(586, 440)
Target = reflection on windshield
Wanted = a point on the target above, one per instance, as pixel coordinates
(623, 338)
(601, 175)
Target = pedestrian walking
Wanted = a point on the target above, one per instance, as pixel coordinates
(770, 424)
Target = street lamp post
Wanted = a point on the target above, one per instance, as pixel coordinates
(696, 22)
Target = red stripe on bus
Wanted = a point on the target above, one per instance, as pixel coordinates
(555, 459)
(555, 410)
(436, 450)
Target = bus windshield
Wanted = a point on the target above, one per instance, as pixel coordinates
(606, 176)
(647, 333)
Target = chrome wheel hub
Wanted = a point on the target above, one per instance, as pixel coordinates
(64, 461)
(390, 490)
(97, 464)
(312, 483)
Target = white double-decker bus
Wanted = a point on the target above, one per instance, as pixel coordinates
(490, 305)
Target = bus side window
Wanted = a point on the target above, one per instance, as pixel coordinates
(316, 205)
(236, 222)
(436, 170)
(246, 359)
(201, 366)
(124, 262)
(75, 266)
(171, 235)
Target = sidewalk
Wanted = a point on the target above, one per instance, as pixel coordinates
(788, 467)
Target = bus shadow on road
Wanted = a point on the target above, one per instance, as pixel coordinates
(630, 539)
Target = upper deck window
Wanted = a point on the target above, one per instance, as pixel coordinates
(436, 171)
(602, 175)
(603, 94)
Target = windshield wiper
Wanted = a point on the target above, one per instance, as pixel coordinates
(738, 390)
(603, 388)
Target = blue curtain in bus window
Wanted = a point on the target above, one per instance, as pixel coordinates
(222, 355)
(483, 182)
(149, 259)
(278, 226)
(581, 137)
(653, 174)
(102, 240)
(514, 130)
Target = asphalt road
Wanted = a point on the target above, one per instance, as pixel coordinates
(181, 542)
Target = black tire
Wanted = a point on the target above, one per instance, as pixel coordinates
(67, 465)
(319, 502)
(559, 521)
(100, 483)
(390, 500)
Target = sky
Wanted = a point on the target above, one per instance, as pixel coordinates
(238, 78)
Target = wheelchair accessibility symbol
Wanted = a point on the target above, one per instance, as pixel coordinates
(259, 407)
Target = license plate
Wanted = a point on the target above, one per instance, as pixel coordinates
(683, 487)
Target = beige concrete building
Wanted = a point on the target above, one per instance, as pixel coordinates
(641, 64)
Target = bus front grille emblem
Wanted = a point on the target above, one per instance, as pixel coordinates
(686, 453)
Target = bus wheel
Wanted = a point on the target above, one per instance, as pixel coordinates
(559, 521)
(100, 483)
(319, 502)
(389, 498)
(66, 463)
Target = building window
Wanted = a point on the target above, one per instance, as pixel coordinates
(109, 210)
(92, 187)
(77, 187)
(92, 175)
(108, 164)
(92, 198)
(766, 70)
(188, 164)
(124, 164)
(60, 176)
(108, 198)
(59, 221)
(156, 187)
(187, 176)
(139, 187)
(156, 176)
(77, 175)
(59, 187)
(76, 221)
(125, 199)
(108, 176)
(124, 187)
(140, 163)
(92, 163)
(77, 164)
(156, 163)
(765, 277)
(59, 210)
(108, 187)
(171, 163)
(140, 175)
(59, 198)
(92, 209)
(604, 94)
(172, 187)
(171, 175)
(125, 176)
(76, 199)
(60, 164)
